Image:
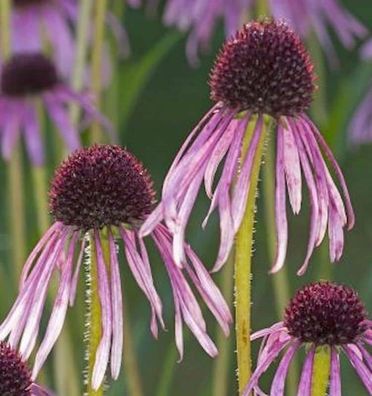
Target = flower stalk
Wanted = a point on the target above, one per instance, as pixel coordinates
(243, 265)
(321, 371)
(98, 39)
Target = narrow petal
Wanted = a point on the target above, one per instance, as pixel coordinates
(34, 315)
(241, 189)
(60, 117)
(335, 383)
(304, 387)
(103, 350)
(292, 169)
(57, 317)
(263, 366)
(280, 206)
(117, 311)
(278, 384)
(140, 273)
(32, 135)
(364, 373)
(338, 172)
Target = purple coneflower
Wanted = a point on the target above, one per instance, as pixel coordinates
(360, 129)
(263, 70)
(15, 376)
(25, 79)
(106, 193)
(320, 315)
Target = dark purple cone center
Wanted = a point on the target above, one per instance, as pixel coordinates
(101, 186)
(15, 377)
(264, 68)
(325, 313)
(28, 74)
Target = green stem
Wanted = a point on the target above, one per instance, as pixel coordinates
(223, 360)
(262, 9)
(98, 40)
(77, 78)
(94, 317)
(280, 280)
(5, 10)
(321, 371)
(243, 270)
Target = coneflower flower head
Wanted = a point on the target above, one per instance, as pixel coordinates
(321, 314)
(264, 70)
(15, 376)
(101, 186)
(28, 76)
(105, 193)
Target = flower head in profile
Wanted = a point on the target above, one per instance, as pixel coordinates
(264, 70)
(15, 376)
(200, 18)
(321, 317)
(26, 79)
(103, 194)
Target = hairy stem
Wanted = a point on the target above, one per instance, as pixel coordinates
(243, 268)
(321, 371)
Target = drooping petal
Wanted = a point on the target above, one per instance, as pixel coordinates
(103, 350)
(335, 382)
(241, 188)
(264, 365)
(30, 331)
(292, 168)
(117, 311)
(58, 314)
(278, 384)
(141, 274)
(364, 373)
(304, 387)
(280, 206)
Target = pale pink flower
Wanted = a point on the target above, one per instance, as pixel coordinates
(263, 70)
(105, 193)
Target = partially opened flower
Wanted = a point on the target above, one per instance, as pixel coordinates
(264, 70)
(15, 376)
(325, 318)
(26, 79)
(103, 193)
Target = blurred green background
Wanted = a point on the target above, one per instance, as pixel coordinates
(153, 125)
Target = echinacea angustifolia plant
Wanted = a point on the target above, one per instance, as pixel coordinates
(88, 130)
